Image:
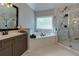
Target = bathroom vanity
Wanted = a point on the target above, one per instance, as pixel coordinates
(13, 44)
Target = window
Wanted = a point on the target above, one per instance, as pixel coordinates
(44, 23)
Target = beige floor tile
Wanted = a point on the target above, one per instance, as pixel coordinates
(53, 50)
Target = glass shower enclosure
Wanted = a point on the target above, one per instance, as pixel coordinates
(68, 29)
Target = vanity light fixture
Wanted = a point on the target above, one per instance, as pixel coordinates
(7, 4)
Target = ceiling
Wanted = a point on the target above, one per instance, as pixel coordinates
(47, 6)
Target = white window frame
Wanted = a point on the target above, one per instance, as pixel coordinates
(41, 17)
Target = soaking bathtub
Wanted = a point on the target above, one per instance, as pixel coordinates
(42, 41)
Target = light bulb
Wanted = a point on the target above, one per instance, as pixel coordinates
(8, 6)
(2, 4)
(11, 5)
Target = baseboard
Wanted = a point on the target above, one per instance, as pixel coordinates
(26, 52)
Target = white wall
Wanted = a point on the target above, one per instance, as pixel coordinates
(26, 16)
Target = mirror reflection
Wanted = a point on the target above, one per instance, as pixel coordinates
(7, 17)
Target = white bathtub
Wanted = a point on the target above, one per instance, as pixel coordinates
(46, 36)
(43, 41)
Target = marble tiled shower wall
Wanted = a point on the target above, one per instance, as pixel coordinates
(58, 12)
(68, 36)
(10, 23)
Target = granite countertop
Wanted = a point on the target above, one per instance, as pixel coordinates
(10, 34)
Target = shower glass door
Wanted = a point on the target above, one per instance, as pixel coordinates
(68, 29)
(74, 28)
(63, 31)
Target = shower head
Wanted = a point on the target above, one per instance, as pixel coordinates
(65, 8)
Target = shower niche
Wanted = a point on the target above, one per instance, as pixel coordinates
(68, 29)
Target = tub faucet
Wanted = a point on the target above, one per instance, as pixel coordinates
(42, 34)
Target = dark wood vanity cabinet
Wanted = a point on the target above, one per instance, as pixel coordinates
(0, 45)
(20, 45)
(13, 46)
(6, 47)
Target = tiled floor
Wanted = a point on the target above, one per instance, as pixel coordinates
(53, 50)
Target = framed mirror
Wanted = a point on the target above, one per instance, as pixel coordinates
(8, 18)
